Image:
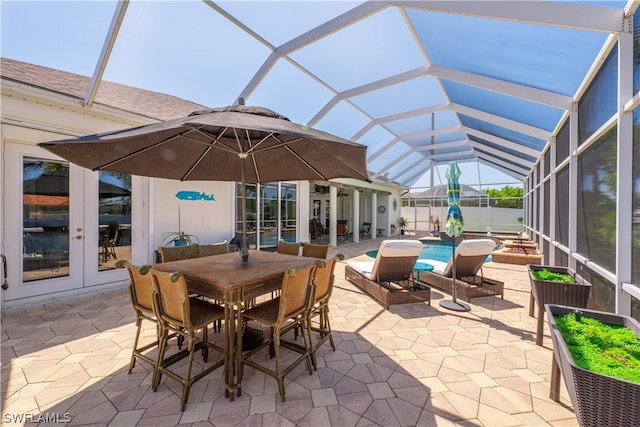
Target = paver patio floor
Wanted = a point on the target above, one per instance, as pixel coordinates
(410, 365)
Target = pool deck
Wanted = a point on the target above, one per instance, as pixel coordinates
(410, 365)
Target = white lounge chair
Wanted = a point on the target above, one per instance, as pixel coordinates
(470, 255)
(389, 278)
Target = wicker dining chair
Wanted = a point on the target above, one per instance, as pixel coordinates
(288, 248)
(315, 251)
(213, 249)
(279, 314)
(141, 296)
(179, 314)
(175, 253)
(318, 314)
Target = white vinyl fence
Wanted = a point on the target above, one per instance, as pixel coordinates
(476, 219)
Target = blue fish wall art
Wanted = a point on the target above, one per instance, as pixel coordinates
(194, 195)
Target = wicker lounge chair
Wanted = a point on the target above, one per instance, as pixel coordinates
(470, 255)
(389, 279)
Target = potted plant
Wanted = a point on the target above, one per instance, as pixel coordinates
(178, 238)
(598, 399)
(402, 223)
(555, 285)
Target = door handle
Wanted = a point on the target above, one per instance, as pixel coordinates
(79, 237)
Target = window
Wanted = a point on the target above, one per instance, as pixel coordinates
(599, 102)
(562, 207)
(596, 221)
(562, 143)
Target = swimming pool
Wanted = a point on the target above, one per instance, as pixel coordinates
(439, 251)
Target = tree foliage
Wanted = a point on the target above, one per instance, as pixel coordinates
(506, 197)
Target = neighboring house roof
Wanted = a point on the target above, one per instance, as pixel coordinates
(147, 103)
(440, 191)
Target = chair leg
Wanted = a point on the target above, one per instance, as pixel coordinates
(327, 326)
(132, 364)
(162, 347)
(186, 383)
(276, 349)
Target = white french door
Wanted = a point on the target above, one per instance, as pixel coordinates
(65, 226)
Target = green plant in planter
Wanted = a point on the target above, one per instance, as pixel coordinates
(601, 347)
(178, 238)
(552, 276)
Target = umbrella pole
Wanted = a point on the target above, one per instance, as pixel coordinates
(245, 244)
(454, 304)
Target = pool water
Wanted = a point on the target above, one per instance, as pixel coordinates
(439, 251)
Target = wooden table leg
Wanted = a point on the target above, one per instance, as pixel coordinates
(238, 347)
(228, 354)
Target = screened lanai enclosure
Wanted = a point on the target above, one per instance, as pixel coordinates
(538, 94)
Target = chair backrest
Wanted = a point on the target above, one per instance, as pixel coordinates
(140, 286)
(175, 253)
(470, 255)
(213, 249)
(289, 248)
(324, 277)
(171, 298)
(315, 251)
(113, 230)
(295, 293)
(395, 260)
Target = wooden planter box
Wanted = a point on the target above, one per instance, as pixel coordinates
(388, 293)
(565, 294)
(501, 255)
(597, 399)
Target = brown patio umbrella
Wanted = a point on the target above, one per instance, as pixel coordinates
(236, 143)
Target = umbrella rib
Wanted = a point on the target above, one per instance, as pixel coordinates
(135, 153)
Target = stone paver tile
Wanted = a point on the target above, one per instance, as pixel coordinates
(406, 354)
(461, 405)
(361, 373)
(16, 407)
(528, 375)
(406, 413)
(482, 379)
(380, 390)
(275, 420)
(262, 404)
(492, 416)
(343, 417)
(434, 384)
(126, 418)
(361, 358)
(316, 417)
(356, 402)
(196, 411)
(324, 397)
(53, 394)
(295, 410)
(380, 412)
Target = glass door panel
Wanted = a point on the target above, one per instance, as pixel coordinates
(45, 219)
(114, 219)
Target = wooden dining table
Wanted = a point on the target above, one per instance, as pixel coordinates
(227, 279)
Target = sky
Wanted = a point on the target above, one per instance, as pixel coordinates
(189, 50)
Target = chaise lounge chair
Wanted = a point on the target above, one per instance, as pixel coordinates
(389, 278)
(470, 255)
